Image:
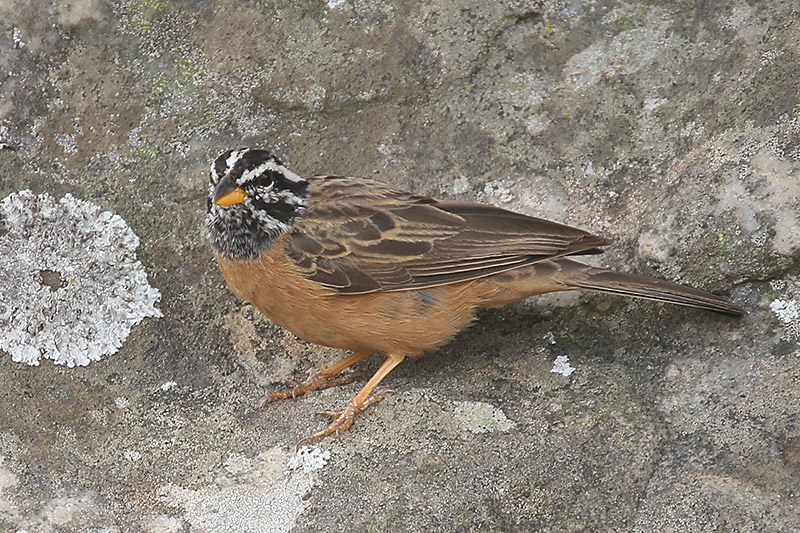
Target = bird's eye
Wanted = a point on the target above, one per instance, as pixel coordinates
(265, 180)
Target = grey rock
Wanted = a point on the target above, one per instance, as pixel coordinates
(673, 128)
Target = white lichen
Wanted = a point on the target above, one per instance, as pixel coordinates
(308, 460)
(237, 464)
(5, 140)
(16, 36)
(561, 366)
(122, 402)
(788, 312)
(71, 288)
(67, 142)
(132, 455)
(258, 498)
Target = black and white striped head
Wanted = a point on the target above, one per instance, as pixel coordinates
(252, 199)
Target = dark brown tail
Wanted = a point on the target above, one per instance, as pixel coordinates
(597, 279)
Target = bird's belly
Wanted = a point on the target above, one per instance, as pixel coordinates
(402, 322)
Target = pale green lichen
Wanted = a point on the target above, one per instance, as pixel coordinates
(144, 13)
(191, 70)
(481, 417)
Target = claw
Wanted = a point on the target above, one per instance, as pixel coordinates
(362, 400)
(323, 380)
(318, 382)
(344, 420)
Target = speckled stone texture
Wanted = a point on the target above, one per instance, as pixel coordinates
(672, 127)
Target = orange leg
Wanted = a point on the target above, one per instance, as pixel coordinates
(322, 380)
(361, 401)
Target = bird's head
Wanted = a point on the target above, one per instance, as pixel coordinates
(252, 199)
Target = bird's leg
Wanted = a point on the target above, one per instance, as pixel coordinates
(360, 402)
(323, 380)
(374, 398)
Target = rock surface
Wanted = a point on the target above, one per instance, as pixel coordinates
(673, 128)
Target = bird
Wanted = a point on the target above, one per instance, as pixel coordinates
(356, 264)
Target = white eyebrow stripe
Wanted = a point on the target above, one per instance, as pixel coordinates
(291, 176)
(273, 166)
(254, 173)
(233, 158)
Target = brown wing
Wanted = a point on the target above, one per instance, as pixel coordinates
(361, 236)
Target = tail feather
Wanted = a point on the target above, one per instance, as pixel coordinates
(597, 279)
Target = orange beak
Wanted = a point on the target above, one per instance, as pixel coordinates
(228, 193)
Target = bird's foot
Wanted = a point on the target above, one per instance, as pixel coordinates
(342, 419)
(318, 382)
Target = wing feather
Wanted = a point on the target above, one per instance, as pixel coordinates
(361, 236)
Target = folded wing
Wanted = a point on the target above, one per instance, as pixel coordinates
(369, 237)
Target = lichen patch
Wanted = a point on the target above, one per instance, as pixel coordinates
(71, 287)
